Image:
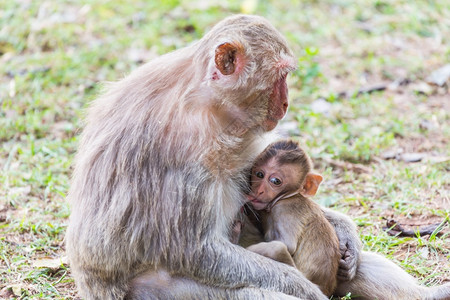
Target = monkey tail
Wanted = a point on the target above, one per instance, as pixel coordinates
(439, 292)
(380, 278)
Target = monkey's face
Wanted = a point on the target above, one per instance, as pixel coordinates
(277, 105)
(270, 180)
(249, 70)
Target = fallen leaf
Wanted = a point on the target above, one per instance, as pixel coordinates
(50, 263)
(17, 289)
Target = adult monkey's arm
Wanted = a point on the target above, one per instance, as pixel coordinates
(349, 243)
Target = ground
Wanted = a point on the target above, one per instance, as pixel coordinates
(383, 152)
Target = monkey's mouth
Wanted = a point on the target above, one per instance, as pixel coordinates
(256, 203)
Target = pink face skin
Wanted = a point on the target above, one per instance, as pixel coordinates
(269, 180)
(278, 104)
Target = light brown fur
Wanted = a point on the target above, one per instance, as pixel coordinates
(295, 220)
(299, 223)
(275, 250)
(297, 227)
(160, 168)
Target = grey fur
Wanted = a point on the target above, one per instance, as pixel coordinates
(379, 278)
(158, 176)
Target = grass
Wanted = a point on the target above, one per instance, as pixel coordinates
(55, 55)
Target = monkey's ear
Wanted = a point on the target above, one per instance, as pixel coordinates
(229, 58)
(312, 182)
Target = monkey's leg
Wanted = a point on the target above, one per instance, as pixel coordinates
(379, 278)
(275, 250)
(160, 285)
(94, 280)
(226, 265)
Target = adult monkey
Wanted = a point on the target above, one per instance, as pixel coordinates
(160, 169)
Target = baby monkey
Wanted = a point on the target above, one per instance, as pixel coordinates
(299, 234)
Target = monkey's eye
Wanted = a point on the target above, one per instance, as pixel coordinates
(275, 181)
(259, 174)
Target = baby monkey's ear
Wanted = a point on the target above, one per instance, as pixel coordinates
(311, 184)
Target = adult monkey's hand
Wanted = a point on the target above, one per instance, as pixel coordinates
(349, 243)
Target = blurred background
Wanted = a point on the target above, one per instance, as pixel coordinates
(370, 102)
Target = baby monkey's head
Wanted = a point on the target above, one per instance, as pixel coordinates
(281, 170)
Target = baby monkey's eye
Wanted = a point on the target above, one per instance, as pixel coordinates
(259, 174)
(275, 181)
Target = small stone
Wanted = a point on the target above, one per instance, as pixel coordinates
(412, 157)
